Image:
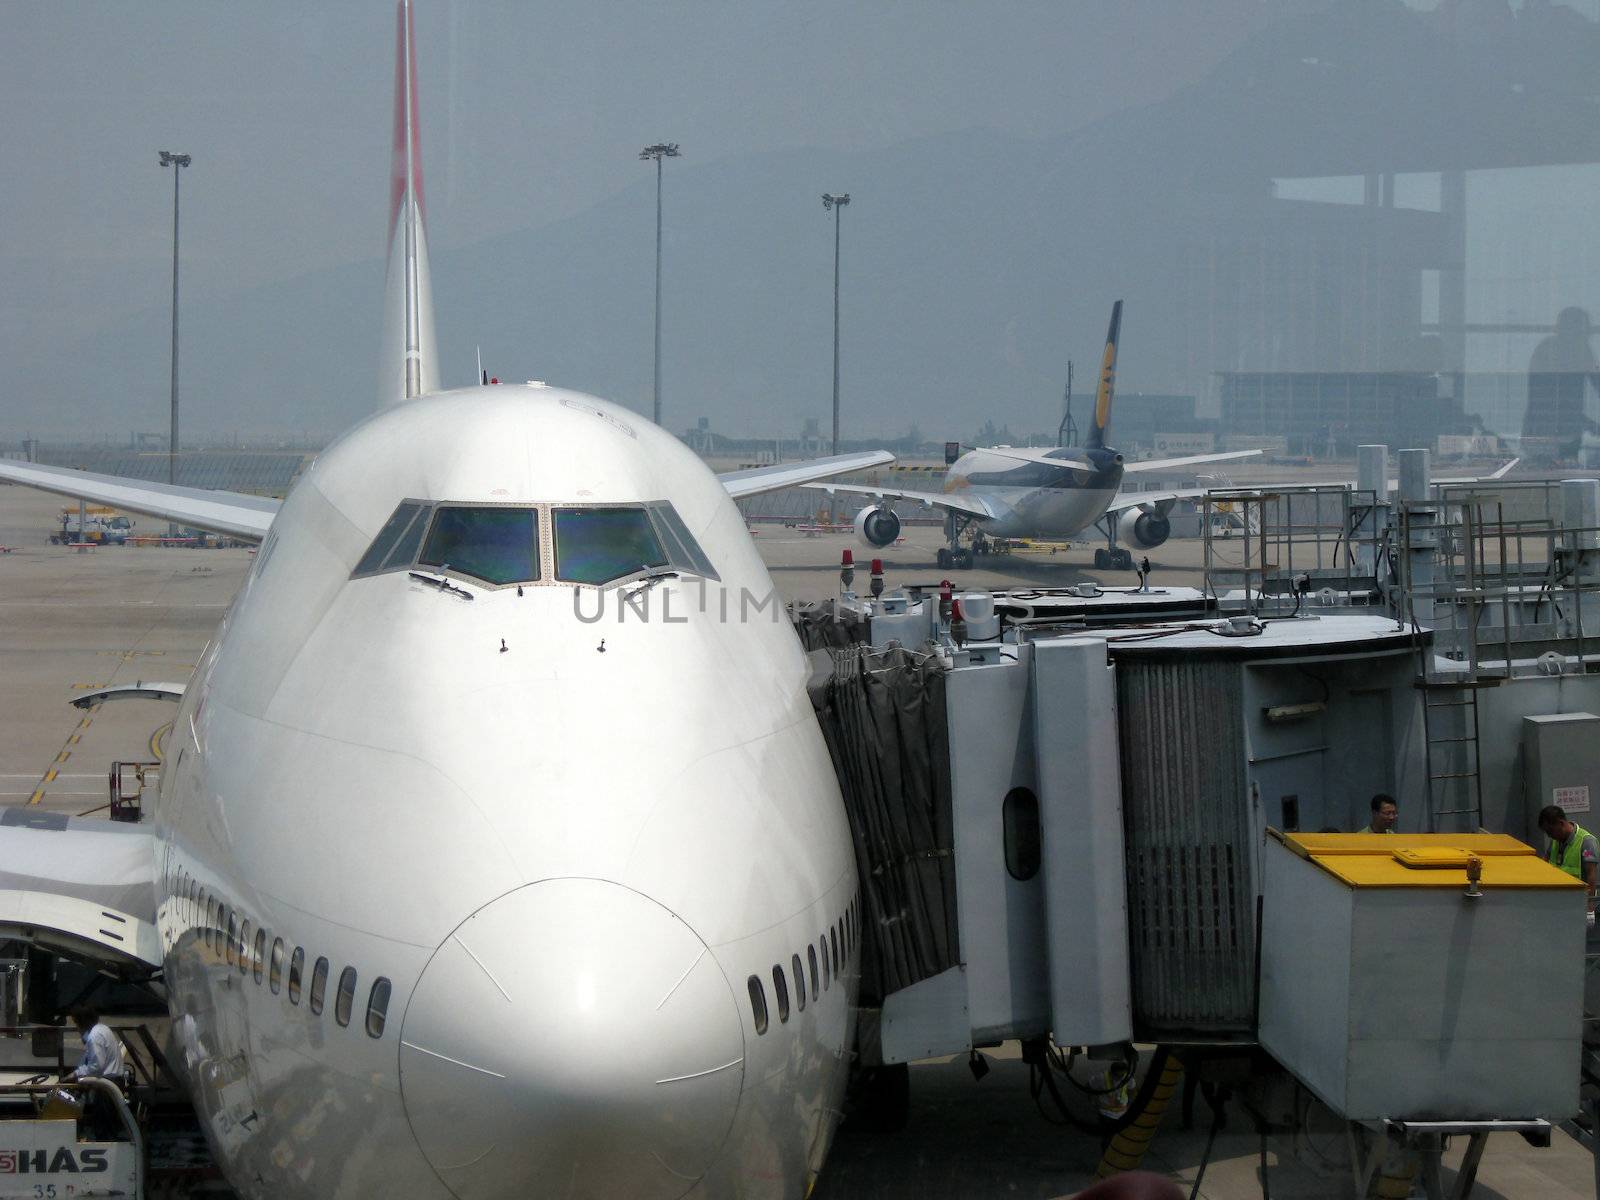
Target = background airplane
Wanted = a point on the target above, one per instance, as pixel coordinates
(467, 879)
(1053, 494)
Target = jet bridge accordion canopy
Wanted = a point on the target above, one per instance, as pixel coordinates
(883, 715)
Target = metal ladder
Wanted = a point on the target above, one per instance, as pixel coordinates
(1453, 792)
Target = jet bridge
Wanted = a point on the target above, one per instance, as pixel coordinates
(1065, 830)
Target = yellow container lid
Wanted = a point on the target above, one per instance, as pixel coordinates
(1481, 844)
(1430, 860)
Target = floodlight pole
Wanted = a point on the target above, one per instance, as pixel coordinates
(659, 151)
(836, 205)
(177, 162)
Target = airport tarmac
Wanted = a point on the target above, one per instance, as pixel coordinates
(70, 621)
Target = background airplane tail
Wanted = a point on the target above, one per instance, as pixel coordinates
(1101, 420)
(410, 365)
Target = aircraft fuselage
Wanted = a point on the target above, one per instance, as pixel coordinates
(573, 829)
(1036, 499)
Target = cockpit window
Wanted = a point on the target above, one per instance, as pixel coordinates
(597, 545)
(397, 542)
(503, 544)
(682, 550)
(387, 536)
(497, 545)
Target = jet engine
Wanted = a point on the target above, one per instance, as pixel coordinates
(1142, 528)
(877, 526)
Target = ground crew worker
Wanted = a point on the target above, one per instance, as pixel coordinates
(1385, 812)
(102, 1059)
(1572, 847)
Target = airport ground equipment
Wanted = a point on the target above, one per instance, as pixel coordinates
(1095, 781)
(1423, 977)
(43, 1156)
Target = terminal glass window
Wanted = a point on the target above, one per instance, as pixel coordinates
(378, 1007)
(297, 966)
(319, 985)
(345, 996)
(275, 975)
(497, 545)
(598, 545)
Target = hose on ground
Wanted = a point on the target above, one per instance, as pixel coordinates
(1138, 1126)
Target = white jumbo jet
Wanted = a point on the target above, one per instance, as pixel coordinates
(497, 852)
(1008, 491)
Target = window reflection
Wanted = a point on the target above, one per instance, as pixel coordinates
(497, 545)
(597, 545)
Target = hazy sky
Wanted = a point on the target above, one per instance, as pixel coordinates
(530, 113)
(533, 114)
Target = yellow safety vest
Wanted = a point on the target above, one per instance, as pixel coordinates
(1570, 857)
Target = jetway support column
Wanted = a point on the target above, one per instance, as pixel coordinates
(1085, 874)
(1422, 535)
(1372, 475)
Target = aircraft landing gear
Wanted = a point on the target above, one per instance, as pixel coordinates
(1114, 558)
(954, 555)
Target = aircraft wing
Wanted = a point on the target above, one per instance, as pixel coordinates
(1163, 464)
(755, 480)
(1129, 500)
(1394, 484)
(966, 504)
(1498, 473)
(231, 513)
(1162, 500)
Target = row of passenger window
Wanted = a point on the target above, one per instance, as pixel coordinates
(826, 950)
(228, 935)
(502, 544)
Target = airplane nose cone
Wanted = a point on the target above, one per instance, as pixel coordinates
(573, 1037)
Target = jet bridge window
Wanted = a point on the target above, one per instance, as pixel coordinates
(597, 545)
(345, 996)
(397, 542)
(497, 545)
